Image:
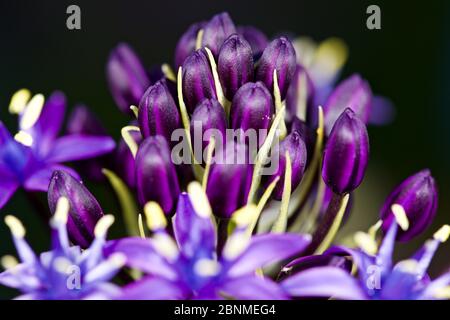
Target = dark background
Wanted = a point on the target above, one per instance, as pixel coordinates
(408, 61)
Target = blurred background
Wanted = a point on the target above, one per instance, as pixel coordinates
(407, 61)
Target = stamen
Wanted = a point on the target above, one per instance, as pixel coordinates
(62, 265)
(442, 234)
(408, 266)
(374, 229)
(8, 262)
(61, 212)
(168, 72)
(218, 85)
(199, 200)
(366, 242)
(117, 259)
(19, 101)
(280, 224)
(211, 146)
(102, 226)
(302, 97)
(245, 215)
(331, 55)
(24, 138)
(199, 39)
(400, 216)
(32, 112)
(207, 267)
(141, 226)
(236, 244)
(156, 219)
(16, 227)
(278, 103)
(165, 246)
(132, 145)
(135, 110)
(442, 293)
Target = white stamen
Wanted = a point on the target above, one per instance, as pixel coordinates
(207, 267)
(102, 226)
(19, 101)
(141, 226)
(199, 39)
(442, 234)
(400, 216)
(9, 262)
(409, 266)
(442, 293)
(61, 212)
(217, 84)
(366, 242)
(374, 229)
(32, 112)
(165, 246)
(236, 244)
(135, 110)
(117, 259)
(62, 265)
(168, 72)
(132, 145)
(245, 215)
(156, 219)
(24, 138)
(199, 200)
(15, 226)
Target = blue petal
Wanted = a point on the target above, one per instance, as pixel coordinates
(251, 288)
(153, 288)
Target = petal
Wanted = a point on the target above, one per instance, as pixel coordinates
(252, 288)
(323, 282)
(7, 188)
(4, 134)
(384, 256)
(266, 249)
(80, 147)
(433, 288)
(40, 180)
(151, 288)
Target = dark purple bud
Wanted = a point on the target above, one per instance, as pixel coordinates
(158, 113)
(354, 93)
(307, 134)
(198, 81)
(186, 44)
(295, 96)
(279, 55)
(209, 119)
(346, 154)
(295, 146)
(235, 64)
(126, 77)
(125, 162)
(216, 30)
(229, 180)
(84, 210)
(156, 178)
(419, 197)
(256, 38)
(252, 108)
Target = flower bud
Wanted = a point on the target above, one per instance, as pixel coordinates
(216, 31)
(156, 178)
(346, 154)
(252, 108)
(198, 81)
(256, 38)
(419, 197)
(307, 134)
(294, 94)
(295, 146)
(125, 162)
(126, 77)
(354, 93)
(208, 115)
(158, 113)
(186, 44)
(84, 210)
(229, 180)
(235, 64)
(279, 55)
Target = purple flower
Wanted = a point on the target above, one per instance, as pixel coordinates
(216, 30)
(186, 44)
(256, 38)
(156, 178)
(158, 113)
(279, 55)
(346, 154)
(189, 266)
(235, 64)
(65, 272)
(30, 158)
(126, 76)
(418, 196)
(198, 81)
(354, 93)
(84, 211)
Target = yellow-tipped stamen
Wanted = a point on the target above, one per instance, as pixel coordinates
(199, 199)
(243, 217)
(102, 226)
(409, 266)
(156, 220)
(24, 138)
(219, 91)
(366, 242)
(211, 146)
(168, 72)
(206, 267)
(16, 227)
(141, 227)
(374, 229)
(263, 154)
(280, 224)
(199, 39)
(235, 245)
(32, 111)
(61, 212)
(442, 293)
(165, 245)
(126, 135)
(302, 98)
(278, 103)
(306, 49)
(331, 55)
(62, 265)
(335, 226)
(400, 216)
(19, 101)
(135, 110)
(8, 262)
(442, 234)
(117, 259)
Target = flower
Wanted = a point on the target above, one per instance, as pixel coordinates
(256, 38)
(186, 44)
(189, 267)
(65, 272)
(418, 195)
(216, 30)
(29, 159)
